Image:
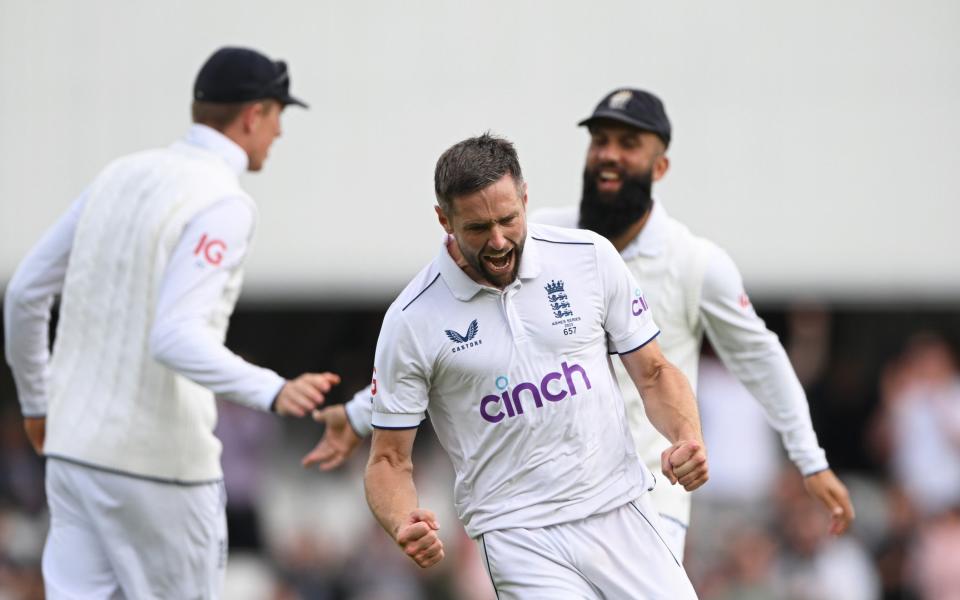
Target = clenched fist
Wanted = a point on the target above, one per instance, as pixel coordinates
(419, 540)
(685, 463)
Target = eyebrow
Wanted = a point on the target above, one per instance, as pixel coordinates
(478, 223)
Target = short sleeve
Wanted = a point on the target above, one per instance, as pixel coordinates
(400, 378)
(628, 319)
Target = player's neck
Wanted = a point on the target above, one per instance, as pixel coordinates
(623, 240)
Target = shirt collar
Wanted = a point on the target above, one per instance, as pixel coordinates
(464, 288)
(208, 138)
(652, 238)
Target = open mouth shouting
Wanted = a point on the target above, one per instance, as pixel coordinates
(500, 264)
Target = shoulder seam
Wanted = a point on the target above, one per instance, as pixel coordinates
(421, 293)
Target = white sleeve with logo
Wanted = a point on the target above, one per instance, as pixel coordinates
(755, 356)
(401, 375)
(191, 288)
(628, 321)
(26, 309)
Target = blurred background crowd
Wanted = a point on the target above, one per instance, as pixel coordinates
(884, 389)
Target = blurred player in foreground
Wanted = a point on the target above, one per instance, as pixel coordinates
(148, 261)
(504, 338)
(694, 288)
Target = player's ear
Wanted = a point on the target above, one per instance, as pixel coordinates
(660, 167)
(444, 220)
(251, 116)
(523, 190)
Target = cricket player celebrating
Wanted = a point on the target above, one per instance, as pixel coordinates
(694, 289)
(504, 338)
(148, 262)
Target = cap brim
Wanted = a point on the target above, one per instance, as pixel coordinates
(611, 115)
(288, 100)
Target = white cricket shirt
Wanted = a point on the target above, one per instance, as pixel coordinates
(518, 383)
(212, 244)
(696, 289)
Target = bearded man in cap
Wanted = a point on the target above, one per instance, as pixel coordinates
(148, 264)
(694, 289)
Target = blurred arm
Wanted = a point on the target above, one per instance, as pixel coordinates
(192, 287)
(26, 310)
(755, 356)
(360, 411)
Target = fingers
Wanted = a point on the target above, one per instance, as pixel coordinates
(425, 516)
(323, 454)
(683, 452)
(419, 539)
(291, 403)
(300, 396)
(826, 487)
(688, 460)
(322, 382)
(666, 467)
(841, 510)
(333, 416)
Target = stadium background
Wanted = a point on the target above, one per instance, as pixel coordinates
(815, 141)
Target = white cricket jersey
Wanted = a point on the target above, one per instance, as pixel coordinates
(518, 382)
(695, 288)
(212, 244)
(149, 263)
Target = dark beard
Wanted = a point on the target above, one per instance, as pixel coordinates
(611, 215)
(480, 267)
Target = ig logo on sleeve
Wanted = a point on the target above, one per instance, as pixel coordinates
(210, 250)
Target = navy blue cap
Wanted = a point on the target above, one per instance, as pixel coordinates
(241, 75)
(637, 108)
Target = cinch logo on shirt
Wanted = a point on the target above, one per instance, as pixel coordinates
(510, 401)
(639, 303)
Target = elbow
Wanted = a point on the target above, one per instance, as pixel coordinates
(16, 294)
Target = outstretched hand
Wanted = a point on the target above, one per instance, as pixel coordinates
(338, 442)
(299, 397)
(419, 539)
(830, 491)
(685, 463)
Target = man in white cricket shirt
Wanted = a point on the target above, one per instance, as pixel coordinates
(148, 263)
(505, 339)
(694, 289)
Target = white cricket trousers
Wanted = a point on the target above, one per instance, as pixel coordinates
(115, 536)
(617, 555)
